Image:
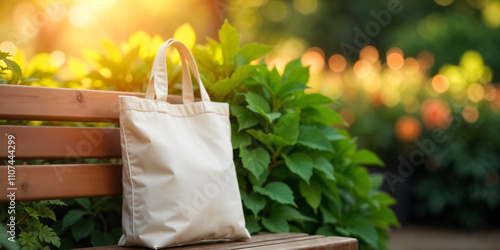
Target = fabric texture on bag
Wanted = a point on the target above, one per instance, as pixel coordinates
(179, 179)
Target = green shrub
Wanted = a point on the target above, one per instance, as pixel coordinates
(296, 171)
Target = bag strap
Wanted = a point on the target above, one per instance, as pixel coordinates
(158, 83)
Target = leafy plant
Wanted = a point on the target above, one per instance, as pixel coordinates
(296, 172)
(91, 221)
(32, 222)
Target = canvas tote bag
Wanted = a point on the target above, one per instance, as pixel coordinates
(179, 179)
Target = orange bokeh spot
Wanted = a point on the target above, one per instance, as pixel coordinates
(435, 113)
(369, 54)
(315, 58)
(407, 128)
(362, 68)
(337, 63)
(470, 114)
(425, 59)
(395, 58)
(440, 83)
(411, 65)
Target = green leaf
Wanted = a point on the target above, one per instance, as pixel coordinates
(290, 87)
(245, 117)
(325, 167)
(326, 230)
(312, 193)
(331, 133)
(311, 100)
(276, 223)
(14, 67)
(29, 241)
(383, 198)
(252, 224)
(255, 202)
(328, 216)
(255, 100)
(186, 34)
(327, 116)
(287, 128)
(300, 164)
(230, 43)
(83, 228)
(270, 117)
(275, 80)
(239, 139)
(291, 213)
(255, 161)
(56, 202)
(252, 51)
(297, 74)
(226, 86)
(383, 218)
(4, 55)
(267, 139)
(365, 230)
(364, 156)
(260, 180)
(311, 137)
(46, 212)
(84, 202)
(277, 191)
(72, 217)
(100, 238)
(291, 65)
(47, 235)
(360, 178)
(376, 180)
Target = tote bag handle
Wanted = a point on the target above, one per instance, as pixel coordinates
(158, 83)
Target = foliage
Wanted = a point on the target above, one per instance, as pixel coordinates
(33, 220)
(90, 222)
(394, 108)
(296, 171)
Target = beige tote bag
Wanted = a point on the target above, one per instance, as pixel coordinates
(179, 179)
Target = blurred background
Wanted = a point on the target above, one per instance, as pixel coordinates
(416, 81)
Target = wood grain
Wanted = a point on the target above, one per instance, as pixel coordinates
(57, 104)
(270, 241)
(70, 143)
(48, 182)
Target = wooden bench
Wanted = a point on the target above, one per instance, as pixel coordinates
(73, 144)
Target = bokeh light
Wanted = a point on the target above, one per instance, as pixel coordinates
(440, 83)
(305, 7)
(315, 58)
(435, 113)
(337, 63)
(395, 59)
(470, 114)
(444, 2)
(407, 128)
(276, 10)
(369, 54)
(475, 92)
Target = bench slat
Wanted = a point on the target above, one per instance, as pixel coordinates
(271, 241)
(70, 143)
(48, 182)
(57, 104)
